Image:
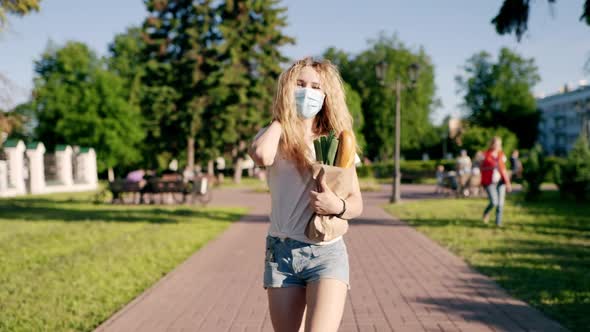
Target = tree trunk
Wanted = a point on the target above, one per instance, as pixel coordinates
(238, 170)
(111, 174)
(198, 168)
(191, 153)
(236, 153)
(210, 168)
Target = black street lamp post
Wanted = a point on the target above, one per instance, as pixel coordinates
(381, 70)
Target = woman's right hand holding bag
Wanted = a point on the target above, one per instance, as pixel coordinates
(336, 184)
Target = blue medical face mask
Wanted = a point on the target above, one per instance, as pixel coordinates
(308, 101)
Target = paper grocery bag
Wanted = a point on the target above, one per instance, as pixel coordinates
(327, 227)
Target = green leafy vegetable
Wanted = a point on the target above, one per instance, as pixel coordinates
(326, 149)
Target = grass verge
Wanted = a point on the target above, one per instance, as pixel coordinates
(67, 264)
(541, 255)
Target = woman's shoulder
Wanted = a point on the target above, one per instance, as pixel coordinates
(260, 132)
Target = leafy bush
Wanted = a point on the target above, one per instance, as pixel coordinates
(365, 171)
(412, 170)
(553, 163)
(573, 177)
(533, 173)
(478, 139)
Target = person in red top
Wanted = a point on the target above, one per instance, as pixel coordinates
(494, 179)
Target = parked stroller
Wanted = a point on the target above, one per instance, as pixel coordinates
(464, 185)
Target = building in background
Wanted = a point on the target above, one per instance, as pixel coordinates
(564, 116)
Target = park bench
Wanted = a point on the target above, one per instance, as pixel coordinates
(415, 176)
(122, 186)
(464, 185)
(158, 189)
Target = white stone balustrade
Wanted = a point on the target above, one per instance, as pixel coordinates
(3, 176)
(86, 164)
(63, 161)
(23, 170)
(35, 153)
(14, 151)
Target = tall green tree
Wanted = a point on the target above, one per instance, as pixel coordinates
(16, 7)
(181, 54)
(513, 16)
(78, 101)
(534, 170)
(573, 177)
(340, 58)
(378, 102)
(127, 59)
(210, 73)
(250, 58)
(353, 99)
(500, 93)
(476, 138)
(355, 107)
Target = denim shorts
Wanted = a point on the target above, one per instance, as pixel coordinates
(292, 263)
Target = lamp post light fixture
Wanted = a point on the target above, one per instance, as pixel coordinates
(413, 72)
(381, 69)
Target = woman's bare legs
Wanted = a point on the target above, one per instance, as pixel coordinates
(287, 307)
(325, 305)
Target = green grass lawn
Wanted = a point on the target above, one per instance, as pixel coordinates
(67, 264)
(541, 255)
(369, 184)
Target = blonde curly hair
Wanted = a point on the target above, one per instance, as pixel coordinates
(334, 114)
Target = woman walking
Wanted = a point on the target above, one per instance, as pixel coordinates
(306, 281)
(494, 179)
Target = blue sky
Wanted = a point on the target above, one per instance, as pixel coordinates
(450, 31)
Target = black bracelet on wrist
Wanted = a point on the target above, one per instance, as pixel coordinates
(339, 215)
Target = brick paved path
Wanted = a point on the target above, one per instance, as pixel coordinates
(400, 280)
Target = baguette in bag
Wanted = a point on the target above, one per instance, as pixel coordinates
(322, 228)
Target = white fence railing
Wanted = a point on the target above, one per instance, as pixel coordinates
(24, 170)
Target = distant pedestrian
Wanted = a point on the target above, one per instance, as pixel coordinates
(440, 179)
(463, 165)
(136, 176)
(494, 179)
(463, 168)
(477, 160)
